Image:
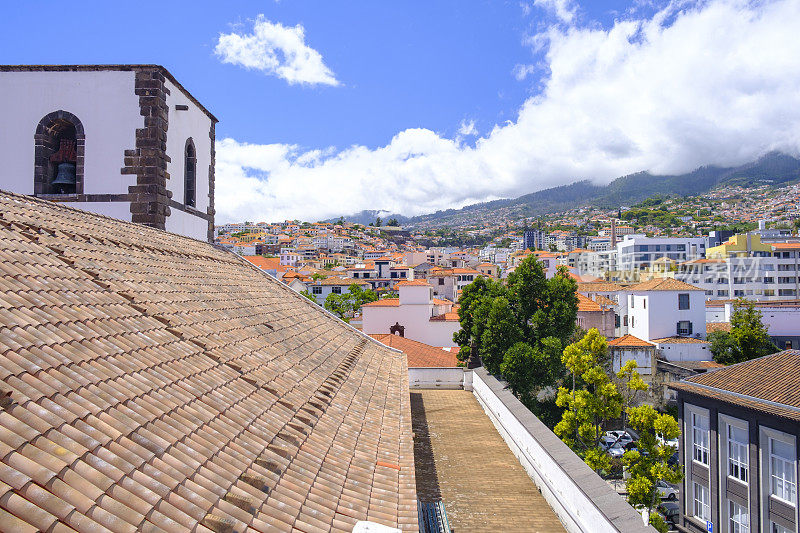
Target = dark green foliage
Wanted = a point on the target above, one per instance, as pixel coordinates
(347, 304)
(747, 339)
(520, 329)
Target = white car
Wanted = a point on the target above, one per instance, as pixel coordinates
(666, 491)
(670, 442)
(618, 437)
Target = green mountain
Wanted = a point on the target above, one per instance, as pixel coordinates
(771, 169)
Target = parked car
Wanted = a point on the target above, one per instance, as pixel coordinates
(669, 512)
(618, 437)
(673, 459)
(619, 450)
(669, 442)
(667, 491)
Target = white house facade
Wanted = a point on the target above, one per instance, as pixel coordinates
(416, 315)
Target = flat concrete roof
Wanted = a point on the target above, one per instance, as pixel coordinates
(461, 459)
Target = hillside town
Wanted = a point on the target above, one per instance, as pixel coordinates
(618, 356)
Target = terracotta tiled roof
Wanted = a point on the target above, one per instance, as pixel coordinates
(450, 316)
(384, 302)
(603, 300)
(679, 340)
(151, 382)
(718, 326)
(786, 246)
(769, 384)
(664, 284)
(599, 286)
(413, 282)
(341, 282)
(629, 340)
(264, 263)
(419, 354)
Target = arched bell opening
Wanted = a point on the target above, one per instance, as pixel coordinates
(59, 155)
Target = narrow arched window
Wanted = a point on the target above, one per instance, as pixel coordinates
(189, 174)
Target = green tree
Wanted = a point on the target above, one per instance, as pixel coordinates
(649, 462)
(591, 402)
(308, 295)
(747, 339)
(316, 276)
(530, 310)
(631, 383)
(339, 304)
(392, 222)
(378, 222)
(345, 305)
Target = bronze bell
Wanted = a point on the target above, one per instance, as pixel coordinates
(65, 177)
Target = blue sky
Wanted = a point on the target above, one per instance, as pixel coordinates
(377, 113)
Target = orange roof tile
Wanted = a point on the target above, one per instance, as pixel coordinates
(420, 355)
(630, 341)
(152, 382)
(664, 284)
(413, 282)
(384, 302)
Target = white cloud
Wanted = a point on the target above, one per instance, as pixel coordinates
(467, 128)
(716, 84)
(523, 71)
(564, 10)
(276, 50)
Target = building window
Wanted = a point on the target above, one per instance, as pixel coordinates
(684, 327)
(58, 154)
(702, 502)
(738, 520)
(189, 174)
(316, 290)
(700, 438)
(737, 453)
(781, 470)
(336, 290)
(441, 281)
(683, 302)
(777, 528)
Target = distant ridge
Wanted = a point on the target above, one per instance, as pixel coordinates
(771, 169)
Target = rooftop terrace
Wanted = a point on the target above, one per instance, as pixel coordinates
(461, 458)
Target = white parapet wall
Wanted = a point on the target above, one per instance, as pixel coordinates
(583, 501)
(439, 378)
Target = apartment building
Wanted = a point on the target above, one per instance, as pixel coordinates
(768, 272)
(637, 252)
(739, 448)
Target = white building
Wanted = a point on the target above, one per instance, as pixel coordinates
(672, 315)
(127, 141)
(637, 252)
(320, 289)
(416, 315)
(782, 319)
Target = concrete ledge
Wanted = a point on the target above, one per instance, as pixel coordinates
(439, 378)
(583, 501)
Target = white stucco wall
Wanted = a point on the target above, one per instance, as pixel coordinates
(193, 123)
(685, 352)
(188, 225)
(642, 356)
(436, 378)
(781, 321)
(415, 318)
(105, 104)
(658, 319)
